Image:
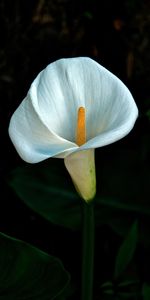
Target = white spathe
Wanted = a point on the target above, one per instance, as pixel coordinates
(44, 125)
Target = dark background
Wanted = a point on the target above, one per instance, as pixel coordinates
(35, 33)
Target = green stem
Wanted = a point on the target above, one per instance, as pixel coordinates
(87, 251)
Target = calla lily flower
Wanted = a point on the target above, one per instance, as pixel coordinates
(73, 106)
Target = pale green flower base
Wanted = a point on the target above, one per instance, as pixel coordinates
(81, 167)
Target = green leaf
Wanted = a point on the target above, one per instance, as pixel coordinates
(107, 285)
(28, 273)
(128, 296)
(146, 291)
(48, 190)
(148, 114)
(128, 289)
(126, 251)
(128, 283)
(122, 189)
(125, 181)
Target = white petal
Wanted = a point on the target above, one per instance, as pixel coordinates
(32, 139)
(115, 121)
(113, 115)
(56, 99)
(67, 84)
(45, 123)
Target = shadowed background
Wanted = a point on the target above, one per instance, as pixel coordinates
(117, 35)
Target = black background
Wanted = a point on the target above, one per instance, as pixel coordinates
(36, 33)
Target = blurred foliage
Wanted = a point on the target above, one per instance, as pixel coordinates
(126, 251)
(25, 272)
(47, 189)
(117, 35)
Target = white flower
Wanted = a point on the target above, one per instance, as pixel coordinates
(45, 124)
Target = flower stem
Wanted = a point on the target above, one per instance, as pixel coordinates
(87, 251)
